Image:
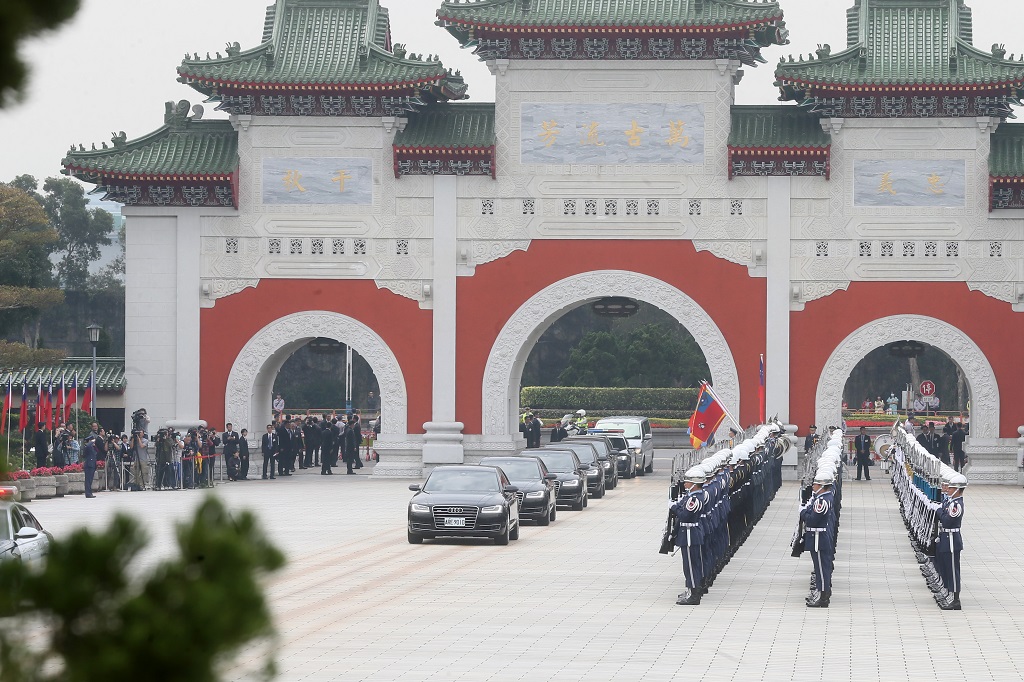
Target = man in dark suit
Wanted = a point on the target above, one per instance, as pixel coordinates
(89, 459)
(42, 448)
(956, 444)
(532, 432)
(231, 460)
(929, 440)
(269, 448)
(811, 439)
(358, 436)
(862, 445)
(243, 455)
(284, 448)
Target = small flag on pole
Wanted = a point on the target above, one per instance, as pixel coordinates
(72, 397)
(87, 396)
(23, 415)
(762, 415)
(706, 418)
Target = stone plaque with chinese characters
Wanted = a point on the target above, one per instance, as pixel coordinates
(910, 182)
(317, 181)
(607, 134)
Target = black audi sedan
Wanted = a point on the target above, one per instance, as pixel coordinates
(571, 486)
(607, 455)
(464, 501)
(536, 485)
(588, 457)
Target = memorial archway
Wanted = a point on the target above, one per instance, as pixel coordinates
(960, 348)
(504, 370)
(251, 380)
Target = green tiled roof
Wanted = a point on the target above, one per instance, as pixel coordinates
(316, 42)
(109, 375)
(1006, 157)
(182, 147)
(779, 127)
(457, 126)
(617, 13)
(905, 42)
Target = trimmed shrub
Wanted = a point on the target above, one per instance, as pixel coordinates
(676, 403)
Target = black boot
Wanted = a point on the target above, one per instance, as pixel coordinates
(813, 599)
(953, 604)
(689, 597)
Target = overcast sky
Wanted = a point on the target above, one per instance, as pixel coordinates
(112, 68)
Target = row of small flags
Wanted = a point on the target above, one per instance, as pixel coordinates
(710, 412)
(52, 406)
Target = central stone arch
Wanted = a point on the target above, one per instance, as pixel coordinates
(247, 399)
(952, 341)
(504, 370)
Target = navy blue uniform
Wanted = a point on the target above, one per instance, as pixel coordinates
(689, 511)
(818, 537)
(949, 544)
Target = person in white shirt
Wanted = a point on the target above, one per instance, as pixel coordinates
(278, 405)
(909, 427)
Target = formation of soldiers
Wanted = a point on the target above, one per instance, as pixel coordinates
(818, 527)
(716, 497)
(930, 494)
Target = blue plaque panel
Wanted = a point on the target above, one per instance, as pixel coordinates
(317, 180)
(608, 134)
(910, 182)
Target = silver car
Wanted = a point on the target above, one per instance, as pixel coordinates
(637, 432)
(22, 537)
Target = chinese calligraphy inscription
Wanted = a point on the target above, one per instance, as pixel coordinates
(318, 181)
(655, 133)
(939, 183)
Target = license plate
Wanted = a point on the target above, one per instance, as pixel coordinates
(455, 521)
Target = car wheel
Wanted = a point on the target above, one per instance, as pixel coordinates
(641, 471)
(554, 513)
(415, 539)
(504, 537)
(586, 500)
(578, 506)
(650, 467)
(514, 534)
(544, 520)
(599, 493)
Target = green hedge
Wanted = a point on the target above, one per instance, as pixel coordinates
(649, 402)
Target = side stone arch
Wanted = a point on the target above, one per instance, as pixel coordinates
(955, 343)
(248, 394)
(504, 370)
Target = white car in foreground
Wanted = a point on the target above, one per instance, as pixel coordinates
(22, 537)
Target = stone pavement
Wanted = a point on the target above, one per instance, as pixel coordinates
(590, 598)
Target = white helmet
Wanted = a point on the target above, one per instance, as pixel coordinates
(581, 413)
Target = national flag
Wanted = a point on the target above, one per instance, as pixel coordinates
(760, 396)
(59, 407)
(87, 396)
(49, 404)
(72, 397)
(23, 414)
(7, 403)
(40, 407)
(706, 418)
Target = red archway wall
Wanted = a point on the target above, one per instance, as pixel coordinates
(823, 324)
(733, 299)
(399, 321)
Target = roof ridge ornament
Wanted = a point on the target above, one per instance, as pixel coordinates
(176, 115)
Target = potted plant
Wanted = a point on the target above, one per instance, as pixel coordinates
(76, 479)
(46, 483)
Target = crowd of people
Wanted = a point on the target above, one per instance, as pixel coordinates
(306, 442)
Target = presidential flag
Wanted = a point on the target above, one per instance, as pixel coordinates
(706, 418)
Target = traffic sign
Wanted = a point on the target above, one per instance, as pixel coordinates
(927, 388)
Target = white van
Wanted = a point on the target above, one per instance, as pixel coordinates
(637, 432)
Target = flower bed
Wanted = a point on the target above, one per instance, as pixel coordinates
(46, 471)
(15, 475)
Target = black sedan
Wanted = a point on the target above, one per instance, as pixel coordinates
(536, 485)
(588, 457)
(571, 486)
(607, 455)
(464, 501)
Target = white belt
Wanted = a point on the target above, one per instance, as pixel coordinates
(949, 530)
(689, 525)
(816, 530)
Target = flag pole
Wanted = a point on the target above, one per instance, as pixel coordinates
(724, 408)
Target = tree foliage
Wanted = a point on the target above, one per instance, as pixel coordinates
(81, 230)
(176, 624)
(649, 355)
(21, 19)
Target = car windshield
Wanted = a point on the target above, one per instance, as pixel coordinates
(630, 430)
(583, 451)
(558, 461)
(524, 470)
(618, 442)
(600, 445)
(462, 481)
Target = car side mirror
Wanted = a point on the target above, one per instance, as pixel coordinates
(648, 436)
(550, 477)
(511, 489)
(26, 533)
(415, 487)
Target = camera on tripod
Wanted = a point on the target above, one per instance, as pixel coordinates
(140, 420)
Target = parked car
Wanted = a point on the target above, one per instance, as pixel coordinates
(22, 537)
(627, 460)
(637, 432)
(606, 454)
(536, 485)
(587, 454)
(464, 501)
(571, 486)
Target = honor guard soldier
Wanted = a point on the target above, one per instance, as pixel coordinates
(689, 511)
(949, 542)
(817, 517)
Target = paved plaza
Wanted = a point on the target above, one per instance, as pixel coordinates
(590, 598)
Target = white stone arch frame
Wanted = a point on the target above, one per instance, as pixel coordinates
(247, 397)
(504, 370)
(981, 379)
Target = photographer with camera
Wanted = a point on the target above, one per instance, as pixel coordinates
(139, 445)
(208, 451)
(190, 461)
(164, 479)
(231, 458)
(140, 421)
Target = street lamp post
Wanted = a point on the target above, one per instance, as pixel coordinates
(94, 338)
